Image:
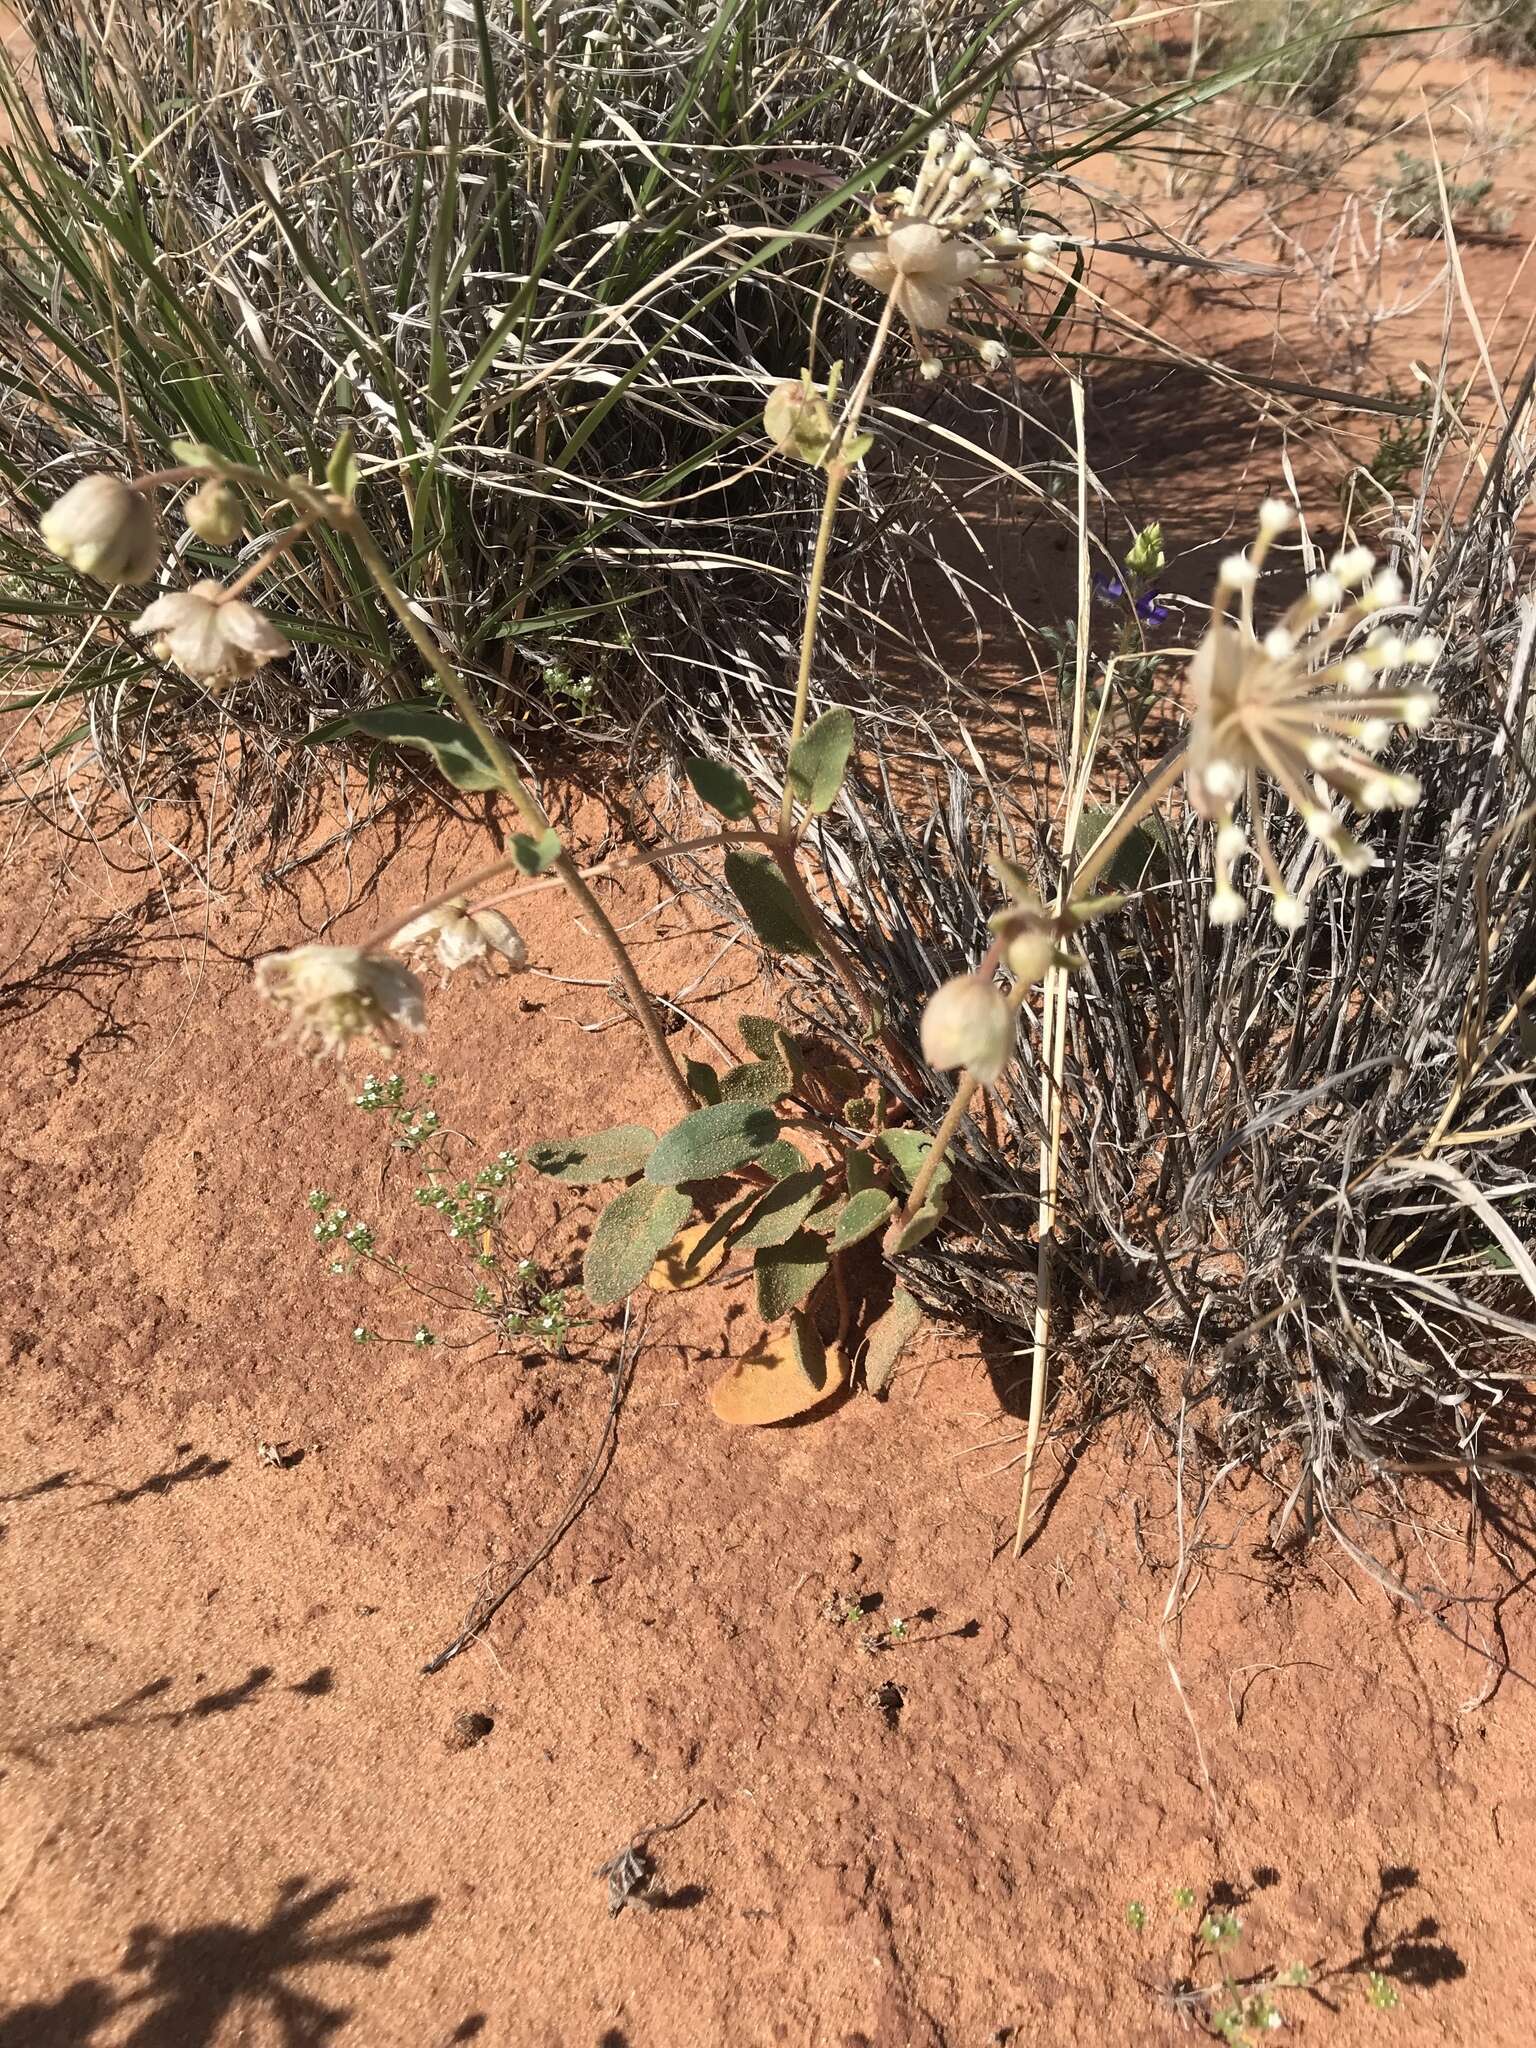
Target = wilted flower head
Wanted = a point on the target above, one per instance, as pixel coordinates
(337, 993)
(967, 1023)
(209, 640)
(1289, 707)
(931, 241)
(463, 938)
(105, 529)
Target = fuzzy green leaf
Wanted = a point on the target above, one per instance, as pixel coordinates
(764, 895)
(702, 1079)
(889, 1336)
(607, 1155)
(628, 1237)
(786, 1273)
(818, 760)
(780, 1159)
(720, 787)
(758, 1035)
(458, 754)
(532, 856)
(780, 1213)
(710, 1142)
(341, 472)
(859, 1172)
(763, 1081)
(906, 1151)
(862, 1216)
(927, 1219)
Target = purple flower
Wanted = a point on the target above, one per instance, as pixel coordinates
(1150, 608)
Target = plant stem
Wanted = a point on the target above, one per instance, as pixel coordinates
(944, 1137)
(283, 545)
(837, 472)
(836, 477)
(527, 807)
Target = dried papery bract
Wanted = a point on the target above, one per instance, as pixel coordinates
(334, 994)
(933, 241)
(460, 937)
(1290, 708)
(105, 529)
(209, 639)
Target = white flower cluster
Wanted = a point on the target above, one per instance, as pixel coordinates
(1291, 708)
(934, 240)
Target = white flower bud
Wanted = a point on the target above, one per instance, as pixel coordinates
(336, 993)
(798, 421)
(207, 640)
(968, 1024)
(1275, 515)
(214, 514)
(104, 529)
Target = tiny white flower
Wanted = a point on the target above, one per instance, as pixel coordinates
(209, 640)
(336, 993)
(463, 938)
(105, 529)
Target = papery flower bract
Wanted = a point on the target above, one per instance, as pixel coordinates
(798, 421)
(105, 529)
(967, 1023)
(1292, 710)
(463, 938)
(336, 993)
(207, 640)
(930, 242)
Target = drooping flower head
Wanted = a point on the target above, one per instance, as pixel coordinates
(334, 994)
(1293, 709)
(931, 241)
(967, 1023)
(105, 529)
(463, 938)
(210, 640)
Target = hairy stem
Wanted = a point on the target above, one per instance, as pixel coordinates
(527, 807)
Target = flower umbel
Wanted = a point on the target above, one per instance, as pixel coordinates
(337, 993)
(209, 640)
(463, 938)
(1290, 708)
(924, 250)
(105, 529)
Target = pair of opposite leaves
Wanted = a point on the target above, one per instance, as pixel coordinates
(782, 1376)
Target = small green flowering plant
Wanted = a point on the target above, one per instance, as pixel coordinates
(488, 1292)
(793, 1158)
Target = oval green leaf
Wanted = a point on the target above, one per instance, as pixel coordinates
(629, 1236)
(607, 1155)
(711, 1142)
(862, 1216)
(888, 1337)
(719, 787)
(764, 895)
(458, 754)
(818, 760)
(780, 1213)
(786, 1273)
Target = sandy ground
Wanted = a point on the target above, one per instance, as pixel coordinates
(235, 1811)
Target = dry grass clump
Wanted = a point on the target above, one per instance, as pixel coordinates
(1304, 1159)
